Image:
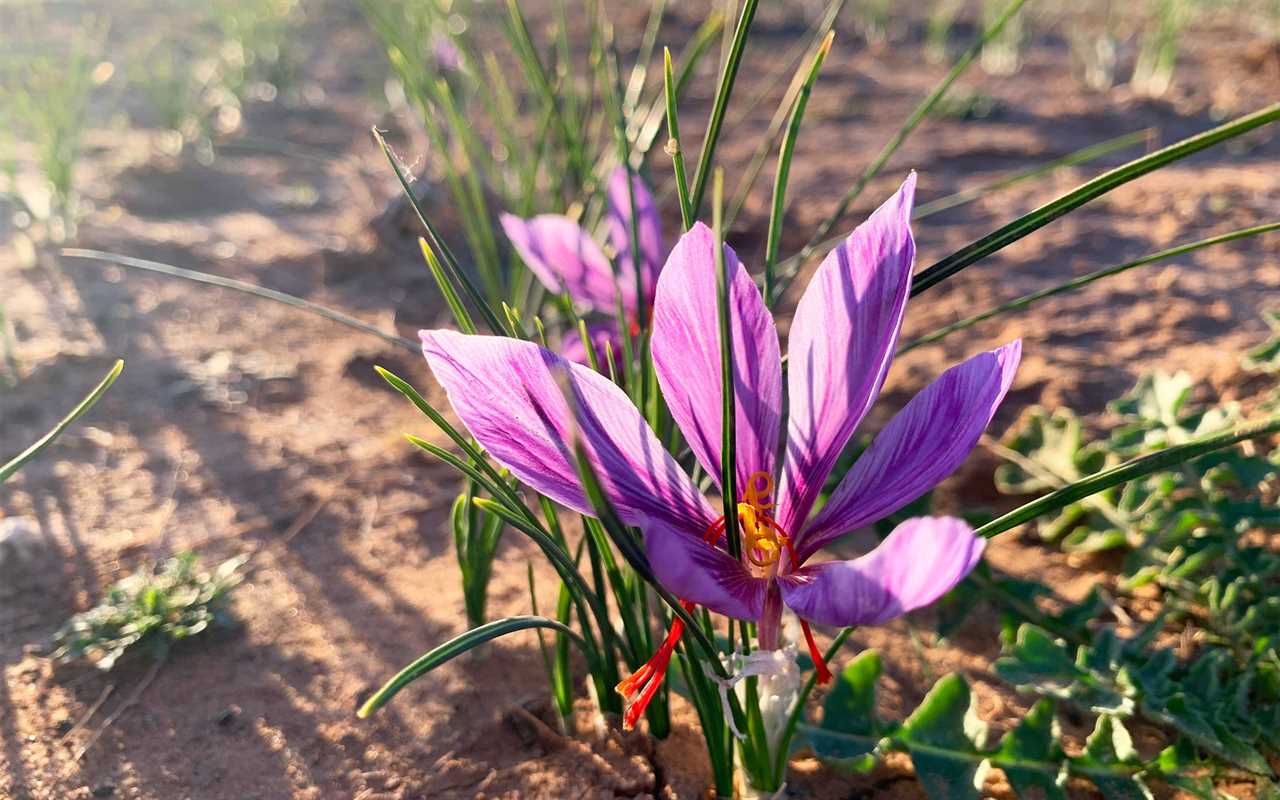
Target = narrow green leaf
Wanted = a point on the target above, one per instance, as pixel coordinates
(724, 89)
(784, 168)
(1135, 468)
(241, 286)
(1075, 283)
(729, 438)
(1086, 192)
(917, 116)
(673, 142)
(457, 273)
(7, 471)
(456, 647)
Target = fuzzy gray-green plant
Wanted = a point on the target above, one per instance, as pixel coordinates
(151, 609)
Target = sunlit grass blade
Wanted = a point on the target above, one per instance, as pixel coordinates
(460, 314)
(729, 439)
(1084, 155)
(674, 148)
(692, 54)
(1128, 471)
(917, 116)
(438, 244)
(785, 110)
(1090, 190)
(240, 286)
(724, 89)
(784, 168)
(457, 646)
(1075, 283)
(16, 463)
(1081, 156)
(522, 42)
(649, 40)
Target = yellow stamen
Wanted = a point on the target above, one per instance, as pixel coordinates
(764, 541)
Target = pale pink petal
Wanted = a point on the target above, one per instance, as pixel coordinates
(919, 562)
(509, 395)
(693, 570)
(648, 227)
(840, 347)
(924, 443)
(566, 259)
(686, 355)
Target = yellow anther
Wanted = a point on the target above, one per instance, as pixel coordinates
(759, 488)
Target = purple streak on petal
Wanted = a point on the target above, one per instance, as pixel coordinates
(508, 394)
(566, 259)
(693, 570)
(840, 347)
(924, 443)
(648, 227)
(918, 563)
(686, 355)
(601, 334)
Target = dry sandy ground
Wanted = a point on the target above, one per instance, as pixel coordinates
(236, 419)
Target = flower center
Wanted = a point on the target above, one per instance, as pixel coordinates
(763, 539)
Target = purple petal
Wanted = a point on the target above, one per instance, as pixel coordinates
(566, 259)
(686, 355)
(918, 563)
(648, 227)
(841, 344)
(508, 394)
(601, 336)
(924, 443)
(694, 570)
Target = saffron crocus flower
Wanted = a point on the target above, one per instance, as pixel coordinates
(842, 341)
(567, 260)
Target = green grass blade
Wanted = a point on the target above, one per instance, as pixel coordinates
(1081, 156)
(784, 168)
(777, 124)
(1090, 190)
(640, 70)
(460, 314)
(729, 439)
(723, 91)
(438, 244)
(456, 647)
(1130, 470)
(7, 471)
(1075, 283)
(240, 286)
(789, 265)
(917, 116)
(673, 142)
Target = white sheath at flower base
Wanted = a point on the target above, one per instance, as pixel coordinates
(777, 689)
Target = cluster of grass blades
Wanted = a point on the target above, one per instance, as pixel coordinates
(567, 127)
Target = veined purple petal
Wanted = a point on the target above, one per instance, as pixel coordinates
(601, 335)
(916, 564)
(924, 443)
(508, 394)
(840, 347)
(686, 355)
(648, 227)
(566, 259)
(693, 570)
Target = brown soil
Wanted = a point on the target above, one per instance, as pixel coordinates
(236, 419)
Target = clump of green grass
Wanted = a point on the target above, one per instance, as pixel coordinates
(150, 610)
(44, 101)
